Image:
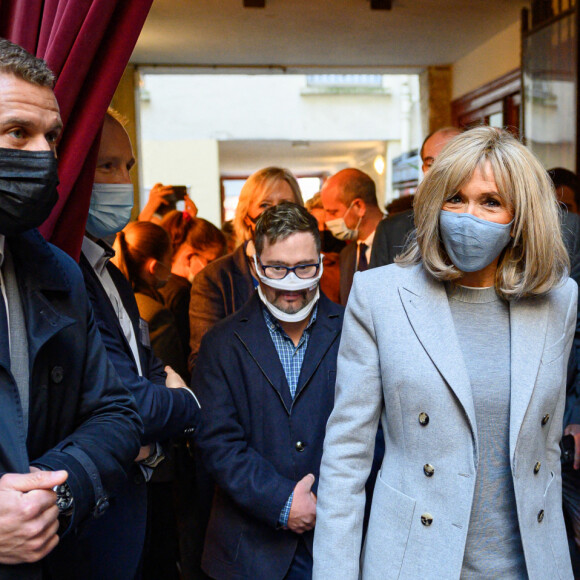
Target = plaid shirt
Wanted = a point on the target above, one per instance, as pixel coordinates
(291, 357)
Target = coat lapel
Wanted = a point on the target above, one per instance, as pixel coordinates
(528, 319)
(325, 331)
(427, 308)
(255, 337)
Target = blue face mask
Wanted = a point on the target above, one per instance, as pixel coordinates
(472, 243)
(110, 209)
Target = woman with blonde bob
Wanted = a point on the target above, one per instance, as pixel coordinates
(460, 350)
(226, 284)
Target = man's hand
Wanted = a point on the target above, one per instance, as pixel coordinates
(303, 509)
(144, 453)
(574, 430)
(28, 515)
(173, 380)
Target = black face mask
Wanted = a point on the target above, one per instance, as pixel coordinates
(28, 181)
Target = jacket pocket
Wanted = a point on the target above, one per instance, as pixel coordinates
(388, 532)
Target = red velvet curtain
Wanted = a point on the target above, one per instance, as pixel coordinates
(87, 44)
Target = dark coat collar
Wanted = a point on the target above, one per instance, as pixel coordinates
(250, 328)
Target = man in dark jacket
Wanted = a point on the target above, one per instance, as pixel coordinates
(112, 547)
(265, 377)
(64, 414)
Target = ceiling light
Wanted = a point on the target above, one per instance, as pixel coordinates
(379, 164)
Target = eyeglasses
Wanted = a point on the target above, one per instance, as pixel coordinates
(303, 271)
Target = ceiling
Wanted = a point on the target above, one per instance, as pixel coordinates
(298, 34)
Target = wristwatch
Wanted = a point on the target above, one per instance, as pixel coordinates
(64, 499)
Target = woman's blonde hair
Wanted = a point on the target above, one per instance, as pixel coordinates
(535, 260)
(258, 186)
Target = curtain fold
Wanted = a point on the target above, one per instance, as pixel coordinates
(87, 44)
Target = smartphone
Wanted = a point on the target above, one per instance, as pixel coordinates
(567, 447)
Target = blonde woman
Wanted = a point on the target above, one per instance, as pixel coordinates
(460, 350)
(226, 284)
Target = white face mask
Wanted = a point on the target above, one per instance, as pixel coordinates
(110, 209)
(290, 283)
(339, 229)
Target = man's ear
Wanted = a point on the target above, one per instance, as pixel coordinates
(361, 206)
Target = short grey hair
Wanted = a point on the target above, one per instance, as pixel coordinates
(281, 221)
(16, 61)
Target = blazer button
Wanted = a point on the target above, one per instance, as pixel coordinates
(426, 519)
(537, 467)
(189, 431)
(428, 470)
(540, 516)
(424, 419)
(57, 374)
(300, 446)
(545, 419)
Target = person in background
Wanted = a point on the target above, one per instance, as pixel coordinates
(143, 255)
(163, 199)
(331, 248)
(567, 187)
(69, 429)
(352, 213)
(396, 231)
(265, 378)
(195, 243)
(226, 284)
(113, 546)
(230, 234)
(470, 392)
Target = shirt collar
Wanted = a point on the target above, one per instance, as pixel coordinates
(369, 240)
(97, 254)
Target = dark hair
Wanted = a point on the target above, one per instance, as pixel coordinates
(203, 234)
(137, 243)
(565, 178)
(23, 65)
(197, 232)
(283, 220)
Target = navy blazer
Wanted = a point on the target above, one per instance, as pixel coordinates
(81, 418)
(249, 436)
(112, 546)
(165, 412)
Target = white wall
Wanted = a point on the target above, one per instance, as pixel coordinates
(499, 55)
(194, 163)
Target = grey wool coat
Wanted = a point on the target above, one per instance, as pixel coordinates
(400, 362)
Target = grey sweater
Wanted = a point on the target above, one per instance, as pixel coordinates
(493, 548)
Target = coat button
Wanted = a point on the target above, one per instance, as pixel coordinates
(545, 419)
(424, 419)
(57, 374)
(189, 431)
(426, 519)
(428, 470)
(540, 516)
(300, 446)
(537, 467)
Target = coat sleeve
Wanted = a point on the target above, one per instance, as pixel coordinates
(206, 307)
(249, 479)
(166, 413)
(349, 444)
(98, 452)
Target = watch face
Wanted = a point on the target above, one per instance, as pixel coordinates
(64, 498)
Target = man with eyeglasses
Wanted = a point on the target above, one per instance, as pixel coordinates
(265, 379)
